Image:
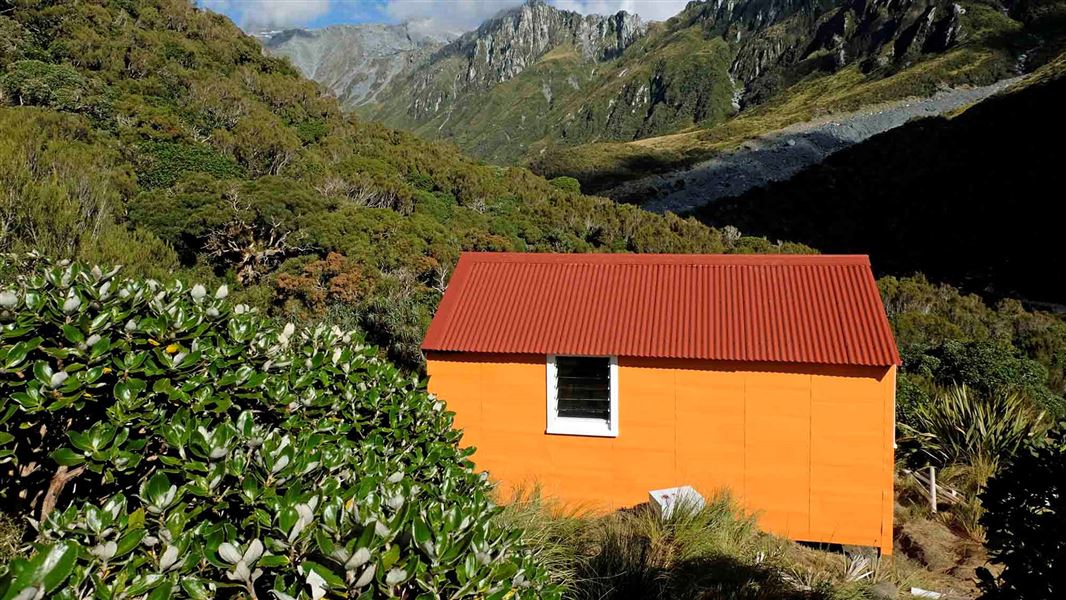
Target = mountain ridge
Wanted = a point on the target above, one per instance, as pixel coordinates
(694, 70)
(354, 62)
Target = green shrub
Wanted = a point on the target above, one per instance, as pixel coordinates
(32, 82)
(567, 184)
(162, 164)
(169, 443)
(963, 427)
(989, 367)
(1025, 521)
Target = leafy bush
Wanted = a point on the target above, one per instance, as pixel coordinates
(32, 82)
(991, 367)
(567, 184)
(964, 427)
(169, 443)
(1025, 523)
(163, 163)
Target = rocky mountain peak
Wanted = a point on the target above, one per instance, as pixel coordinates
(354, 61)
(508, 43)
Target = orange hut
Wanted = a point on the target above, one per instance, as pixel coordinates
(601, 377)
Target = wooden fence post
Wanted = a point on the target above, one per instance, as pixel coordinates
(932, 487)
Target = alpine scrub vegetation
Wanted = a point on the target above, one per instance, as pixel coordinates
(156, 135)
(160, 441)
(963, 427)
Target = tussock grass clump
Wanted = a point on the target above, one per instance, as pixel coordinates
(10, 538)
(716, 551)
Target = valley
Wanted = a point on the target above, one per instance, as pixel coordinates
(576, 90)
(779, 155)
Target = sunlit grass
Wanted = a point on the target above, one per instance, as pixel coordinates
(716, 551)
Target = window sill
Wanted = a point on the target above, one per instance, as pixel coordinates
(587, 429)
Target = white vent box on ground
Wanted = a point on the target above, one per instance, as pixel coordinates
(664, 501)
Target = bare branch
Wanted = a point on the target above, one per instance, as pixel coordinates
(55, 488)
(251, 249)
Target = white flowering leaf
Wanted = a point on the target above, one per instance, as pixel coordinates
(306, 516)
(58, 379)
(72, 303)
(359, 558)
(395, 576)
(381, 529)
(104, 551)
(240, 572)
(280, 464)
(317, 584)
(169, 557)
(223, 291)
(367, 576)
(229, 553)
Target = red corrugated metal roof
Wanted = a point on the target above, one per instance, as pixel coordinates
(776, 308)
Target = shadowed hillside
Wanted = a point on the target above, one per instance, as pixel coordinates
(873, 57)
(974, 199)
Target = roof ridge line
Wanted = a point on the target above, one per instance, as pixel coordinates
(665, 258)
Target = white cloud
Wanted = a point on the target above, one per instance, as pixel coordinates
(458, 16)
(254, 15)
(451, 16)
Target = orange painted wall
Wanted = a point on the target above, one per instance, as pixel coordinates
(809, 448)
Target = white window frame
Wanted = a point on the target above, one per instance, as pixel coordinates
(576, 426)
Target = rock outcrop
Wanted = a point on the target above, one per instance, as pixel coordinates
(784, 41)
(502, 47)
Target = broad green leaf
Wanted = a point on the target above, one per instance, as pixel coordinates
(67, 457)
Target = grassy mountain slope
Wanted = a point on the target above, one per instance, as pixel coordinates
(159, 136)
(994, 41)
(970, 199)
(663, 81)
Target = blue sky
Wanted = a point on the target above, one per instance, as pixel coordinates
(438, 15)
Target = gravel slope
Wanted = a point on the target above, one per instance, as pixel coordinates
(783, 153)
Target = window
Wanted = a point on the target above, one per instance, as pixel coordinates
(583, 395)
